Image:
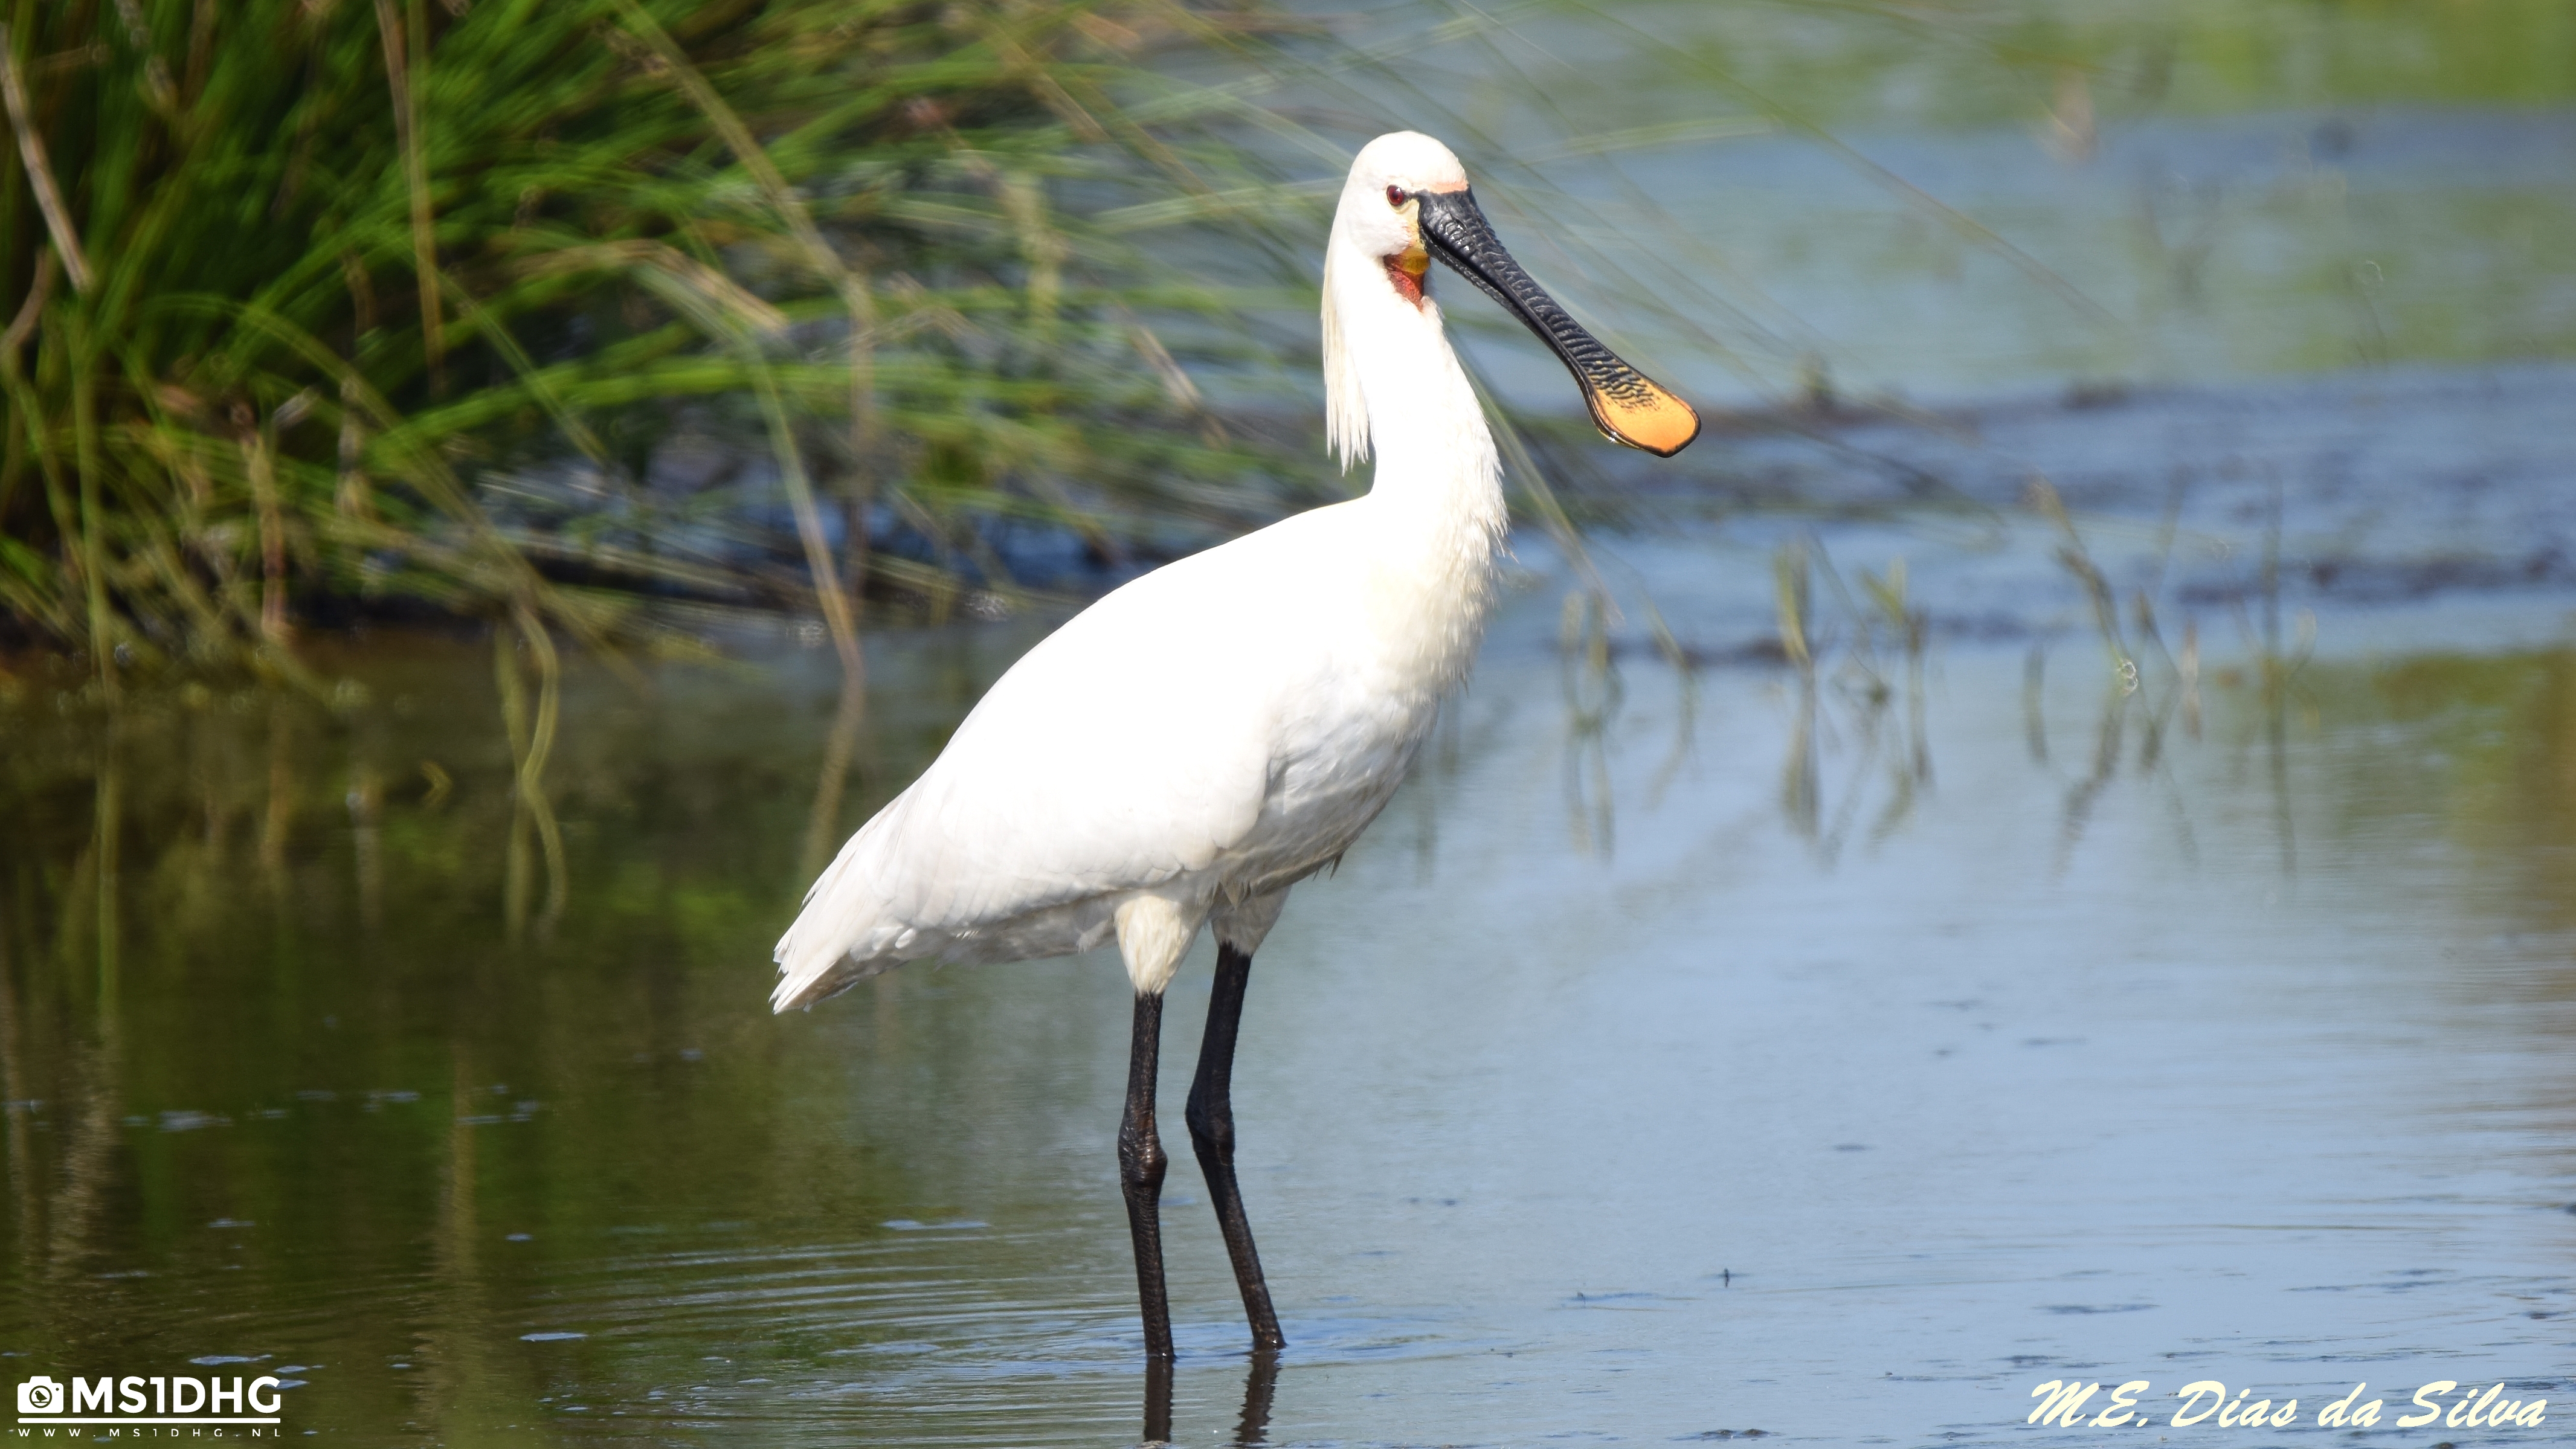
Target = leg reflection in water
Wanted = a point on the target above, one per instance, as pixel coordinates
(1260, 1382)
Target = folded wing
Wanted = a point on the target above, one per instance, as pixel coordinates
(1126, 749)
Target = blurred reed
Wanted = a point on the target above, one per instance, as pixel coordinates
(325, 307)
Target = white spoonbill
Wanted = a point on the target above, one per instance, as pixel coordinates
(1205, 737)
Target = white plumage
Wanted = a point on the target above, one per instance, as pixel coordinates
(1201, 739)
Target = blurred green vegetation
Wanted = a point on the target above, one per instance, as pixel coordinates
(474, 307)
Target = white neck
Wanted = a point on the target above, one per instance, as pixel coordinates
(1434, 516)
(1394, 388)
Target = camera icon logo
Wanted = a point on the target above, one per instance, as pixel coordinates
(40, 1395)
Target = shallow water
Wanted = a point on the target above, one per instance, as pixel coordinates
(1679, 1054)
(1948, 201)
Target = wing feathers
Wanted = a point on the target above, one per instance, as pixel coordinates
(1084, 772)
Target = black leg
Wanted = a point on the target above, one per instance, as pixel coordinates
(1140, 1174)
(1211, 1118)
(1158, 1401)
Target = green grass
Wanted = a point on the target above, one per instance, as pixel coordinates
(323, 305)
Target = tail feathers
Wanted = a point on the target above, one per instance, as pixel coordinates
(800, 986)
(822, 956)
(841, 937)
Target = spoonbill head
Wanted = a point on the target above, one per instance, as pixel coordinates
(1408, 201)
(1184, 751)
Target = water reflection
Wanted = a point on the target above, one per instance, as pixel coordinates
(1844, 671)
(823, 828)
(1251, 1428)
(1589, 680)
(1260, 1386)
(532, 743)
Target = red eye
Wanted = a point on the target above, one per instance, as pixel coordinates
(1395, 196)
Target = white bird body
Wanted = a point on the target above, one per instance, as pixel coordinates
(1191, 746)
(1209, 734)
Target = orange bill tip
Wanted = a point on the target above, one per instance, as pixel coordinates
(1643, 416)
